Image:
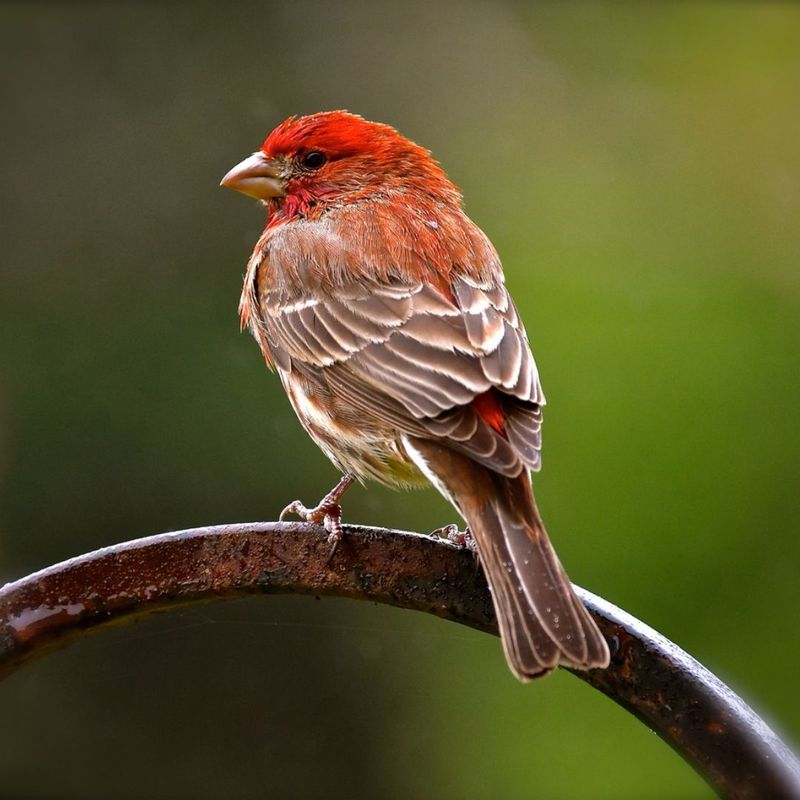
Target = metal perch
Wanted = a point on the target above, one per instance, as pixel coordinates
(687, 706)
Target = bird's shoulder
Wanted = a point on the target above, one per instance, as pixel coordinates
(383, 239)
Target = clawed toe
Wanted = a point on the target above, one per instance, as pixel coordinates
(446, 532)
(297, 508)
(327, 513)
(453, 534)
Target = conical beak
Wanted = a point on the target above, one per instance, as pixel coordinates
(256, 176)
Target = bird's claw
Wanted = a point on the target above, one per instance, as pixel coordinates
(329, 515)
(445, 532)
(327, 512)
(453, 534)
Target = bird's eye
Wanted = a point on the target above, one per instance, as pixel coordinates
(314, 159)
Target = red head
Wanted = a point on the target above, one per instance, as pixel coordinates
(337, 157)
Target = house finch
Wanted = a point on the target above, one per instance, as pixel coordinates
(383, 309)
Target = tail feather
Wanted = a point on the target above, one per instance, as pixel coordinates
(529, 655)
(542, 621)
(533, 595)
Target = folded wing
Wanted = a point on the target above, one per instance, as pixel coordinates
(418, 359)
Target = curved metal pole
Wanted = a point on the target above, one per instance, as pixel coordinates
(693, 711)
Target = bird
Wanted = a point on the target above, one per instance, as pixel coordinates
(384, 311)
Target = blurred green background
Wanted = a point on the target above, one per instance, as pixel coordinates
(636, 166)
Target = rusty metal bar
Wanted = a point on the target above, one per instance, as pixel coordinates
(687, 706)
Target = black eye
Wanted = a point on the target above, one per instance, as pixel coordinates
(314, 159)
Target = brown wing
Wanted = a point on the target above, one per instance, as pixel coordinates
(417, 359)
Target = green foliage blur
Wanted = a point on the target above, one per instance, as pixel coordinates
(638, 169)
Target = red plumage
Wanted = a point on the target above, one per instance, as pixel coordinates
(383, 308)
(490, 410)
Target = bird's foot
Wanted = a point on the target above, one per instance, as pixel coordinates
(453, 534)
(327, 512)
(329, 515)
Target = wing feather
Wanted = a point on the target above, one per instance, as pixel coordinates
(408, 354)
(347, 339)
(465, 369)
(325, 347)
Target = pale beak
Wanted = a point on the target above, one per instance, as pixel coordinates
(256, 176)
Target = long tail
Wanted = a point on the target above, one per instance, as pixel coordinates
(542, 622)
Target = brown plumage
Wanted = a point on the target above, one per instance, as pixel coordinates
(383, 309)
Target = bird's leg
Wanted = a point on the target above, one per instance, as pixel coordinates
(327, 511)
(453, 534)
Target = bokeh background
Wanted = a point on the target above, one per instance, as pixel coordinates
(637, 167)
